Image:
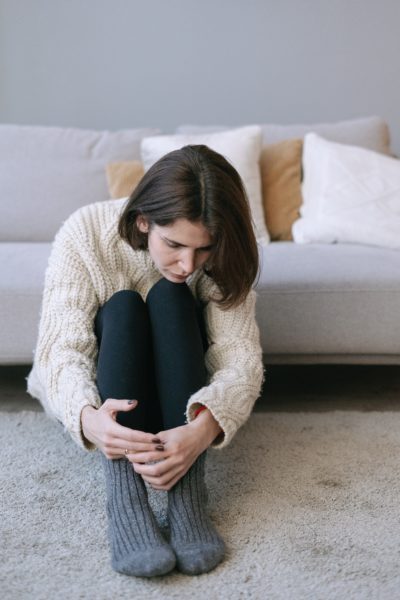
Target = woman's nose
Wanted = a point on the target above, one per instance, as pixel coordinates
(187, 263)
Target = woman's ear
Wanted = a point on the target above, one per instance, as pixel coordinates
(142, 224)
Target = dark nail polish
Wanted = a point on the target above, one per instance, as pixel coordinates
(159, 447)
(156, 441)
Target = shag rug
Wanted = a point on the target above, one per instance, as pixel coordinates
(308, 505)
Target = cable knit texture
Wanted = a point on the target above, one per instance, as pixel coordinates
(196, 542)
(89, 262)
(137, 546)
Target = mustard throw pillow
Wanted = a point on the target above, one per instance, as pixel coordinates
(123, 177)
(280, 166)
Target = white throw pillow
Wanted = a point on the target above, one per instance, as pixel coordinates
(46, 173)
(241, 147)
(350, 194)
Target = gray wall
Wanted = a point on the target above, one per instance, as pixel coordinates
(128, 63)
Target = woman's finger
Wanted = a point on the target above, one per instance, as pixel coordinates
(131, 436)
(110, 408)
(137, 447)
(155, 470)
(111, 404)
(146, 457)
(165, 479)
(112, 453)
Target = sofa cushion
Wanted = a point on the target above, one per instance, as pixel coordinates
(22, 268)
(280, 167)
(123, 177)
(312, 300)
(321, 299)
(350, 195)
(367, 132)
(241, 147)
(48, 172)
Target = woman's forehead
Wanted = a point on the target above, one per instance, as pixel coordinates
(186, 233)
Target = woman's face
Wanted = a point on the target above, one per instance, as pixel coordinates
(177, 249)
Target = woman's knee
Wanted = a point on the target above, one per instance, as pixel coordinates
(124, 298)
(168, 291)
(122, 305)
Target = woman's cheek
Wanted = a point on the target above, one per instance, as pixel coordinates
(203, 259)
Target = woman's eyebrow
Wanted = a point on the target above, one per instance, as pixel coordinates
(184, 246)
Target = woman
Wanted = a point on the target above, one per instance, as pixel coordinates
(148, 348)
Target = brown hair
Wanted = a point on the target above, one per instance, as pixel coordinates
(198, 184)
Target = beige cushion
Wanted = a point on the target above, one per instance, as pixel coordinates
(280, 166)
(280, 176)
(123, 177)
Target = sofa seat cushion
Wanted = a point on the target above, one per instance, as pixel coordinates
(22, 268)
(315, 299)
(329, 299)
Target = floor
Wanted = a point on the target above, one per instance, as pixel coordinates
(315, 388)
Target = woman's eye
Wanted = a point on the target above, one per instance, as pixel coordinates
(174, 245)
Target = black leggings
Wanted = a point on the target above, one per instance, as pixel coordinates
(153, 352)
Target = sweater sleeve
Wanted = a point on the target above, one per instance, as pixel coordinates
(234, 363)
(64, 359)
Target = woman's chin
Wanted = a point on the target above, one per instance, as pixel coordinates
(175, 278)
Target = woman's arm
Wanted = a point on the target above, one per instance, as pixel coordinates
(64, 361)
(66, 352)
(234, 362)
(206, 427)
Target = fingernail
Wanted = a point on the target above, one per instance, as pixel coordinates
(132, 401)
(156, 441)
(159, 447)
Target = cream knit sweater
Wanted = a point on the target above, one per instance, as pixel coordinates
(89, 262)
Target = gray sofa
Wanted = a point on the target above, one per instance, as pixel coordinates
(317, 303)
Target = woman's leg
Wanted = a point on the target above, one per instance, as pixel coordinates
(125, 370)
(178, 348)
(125, 362)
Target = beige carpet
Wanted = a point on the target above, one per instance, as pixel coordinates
(308, 504)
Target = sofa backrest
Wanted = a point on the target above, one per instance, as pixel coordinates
(48, 172)
(368, 132)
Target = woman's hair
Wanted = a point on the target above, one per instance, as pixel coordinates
(200, 185)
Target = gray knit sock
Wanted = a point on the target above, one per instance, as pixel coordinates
(197, 545)
(137, 546)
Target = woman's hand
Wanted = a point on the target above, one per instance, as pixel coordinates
(182, 445)
(99, 426)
